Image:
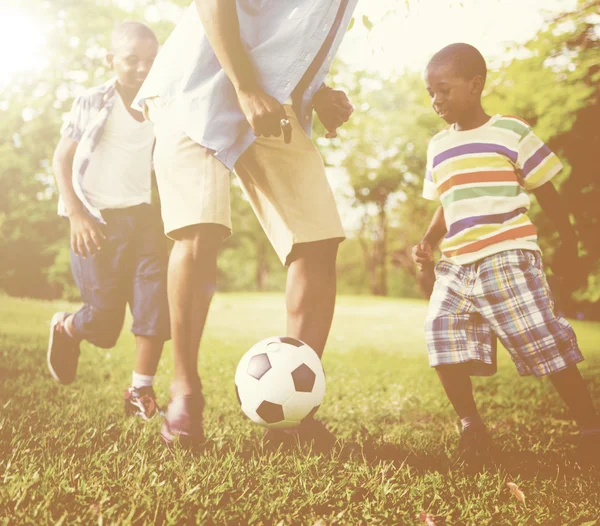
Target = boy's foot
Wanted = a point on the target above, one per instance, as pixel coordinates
(310, 432)
(63, 350)
(474, 449)
(183, 421)
(141, 401)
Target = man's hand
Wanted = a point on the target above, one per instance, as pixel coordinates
(264, 114)
(87, 235)
(333, 109)
(422, 255)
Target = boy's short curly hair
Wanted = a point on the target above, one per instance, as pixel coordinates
(466, 59)
(130, 30)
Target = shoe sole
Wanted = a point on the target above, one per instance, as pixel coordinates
(53, 323)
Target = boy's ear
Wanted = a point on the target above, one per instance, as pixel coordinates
(477, 84)
(110, 59)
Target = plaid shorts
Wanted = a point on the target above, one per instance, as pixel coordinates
(507, 295)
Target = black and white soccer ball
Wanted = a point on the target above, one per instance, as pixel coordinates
(279, 382)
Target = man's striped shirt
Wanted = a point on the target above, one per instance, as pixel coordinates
(481, 177)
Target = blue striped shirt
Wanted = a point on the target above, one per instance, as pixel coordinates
(283, 38)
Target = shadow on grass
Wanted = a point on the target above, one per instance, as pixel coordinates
(550, 465)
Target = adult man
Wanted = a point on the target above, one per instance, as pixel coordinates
(232, 77)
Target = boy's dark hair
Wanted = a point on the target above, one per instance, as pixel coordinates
(466, 60)
(128, 30)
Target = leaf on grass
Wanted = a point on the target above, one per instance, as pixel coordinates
(427, 518)
(367, 23)
(516, 491)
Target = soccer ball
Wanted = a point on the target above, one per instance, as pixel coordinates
(279, 382)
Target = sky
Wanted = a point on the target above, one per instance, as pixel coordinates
(404, 39)
(409, 37)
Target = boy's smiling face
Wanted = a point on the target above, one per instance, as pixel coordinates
(453, 97)
(132, 59)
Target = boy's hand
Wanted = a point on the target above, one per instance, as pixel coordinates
(333, 109)
(265, 114)
(422, 255)
(87, 235)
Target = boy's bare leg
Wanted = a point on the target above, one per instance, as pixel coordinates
(459, 389)
(191, 286)
(148, 352)
(571, 388)
(310, 292)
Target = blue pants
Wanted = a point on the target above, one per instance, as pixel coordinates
(130, 269)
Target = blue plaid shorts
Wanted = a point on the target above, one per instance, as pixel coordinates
(504, 295)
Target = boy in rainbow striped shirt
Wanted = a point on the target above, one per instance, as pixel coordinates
(490, 281)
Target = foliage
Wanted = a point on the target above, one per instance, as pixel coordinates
(553, 83)
(556, 87)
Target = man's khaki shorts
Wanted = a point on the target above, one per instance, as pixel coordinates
(285, 184)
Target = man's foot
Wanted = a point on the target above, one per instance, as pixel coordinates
(63, 350)
(310, 432)
(588, 450)
(183, 421)
(474, 450)
(141, 401)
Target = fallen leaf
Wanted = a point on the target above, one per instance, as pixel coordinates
(516, 491)
(320, 522)
(427, 518)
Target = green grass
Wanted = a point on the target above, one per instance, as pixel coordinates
(68, 455)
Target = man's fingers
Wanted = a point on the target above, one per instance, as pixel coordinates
(342, 109)
(97, 240)
(342, 100)
(81, 246)
(89, 245)
(331, 135)
(74, 247)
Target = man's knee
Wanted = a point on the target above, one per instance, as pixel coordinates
(322, 253)
(200, 242)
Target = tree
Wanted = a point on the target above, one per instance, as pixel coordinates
(383, 150)
(556, 88)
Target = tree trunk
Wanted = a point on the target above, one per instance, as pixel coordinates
(383, 259)
(370, 255)
(262, 268)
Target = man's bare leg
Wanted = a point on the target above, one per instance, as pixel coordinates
(310, 292)
(191, 286)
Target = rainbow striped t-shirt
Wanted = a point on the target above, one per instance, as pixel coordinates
(481, 176)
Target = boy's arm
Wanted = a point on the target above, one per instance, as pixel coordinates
(423, 252)
(437, 228)
(221, 25)
(86, 234)
(551, 203)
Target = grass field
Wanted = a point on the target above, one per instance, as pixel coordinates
(69, 456)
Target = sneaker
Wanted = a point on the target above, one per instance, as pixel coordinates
(474, 450)
(183, 421)
(63, 351)
(141, 401)
(310, 432)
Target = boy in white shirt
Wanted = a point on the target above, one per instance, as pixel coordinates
(103, 166)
